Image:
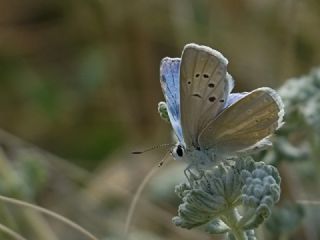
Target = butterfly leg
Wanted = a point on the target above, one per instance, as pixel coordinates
(186, 174)
(193, 177)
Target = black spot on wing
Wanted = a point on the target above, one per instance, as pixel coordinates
(212, 99)
(196, 95)
(205, 75)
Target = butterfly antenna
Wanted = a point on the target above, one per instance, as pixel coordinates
(137, 194)
(154, 147)
(163, 160)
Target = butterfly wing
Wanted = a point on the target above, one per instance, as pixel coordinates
(169, 79)
(245, 123)
(204, 88)
(234, 97)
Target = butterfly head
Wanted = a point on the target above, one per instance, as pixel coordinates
(178, 152)
(199, 158)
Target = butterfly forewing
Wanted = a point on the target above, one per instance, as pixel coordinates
(245, 123)
(169, 79)
(204, 89)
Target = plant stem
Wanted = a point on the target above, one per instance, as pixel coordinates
(231, 218)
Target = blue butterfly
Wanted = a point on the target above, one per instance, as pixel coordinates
(210, 122)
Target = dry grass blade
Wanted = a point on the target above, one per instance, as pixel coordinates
(49, 213)
(138, 194)
(11, 233)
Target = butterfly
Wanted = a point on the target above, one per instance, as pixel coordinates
(211, 123)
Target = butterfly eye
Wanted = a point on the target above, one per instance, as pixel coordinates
(179, 151)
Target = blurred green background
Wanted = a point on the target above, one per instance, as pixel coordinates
(80, 79)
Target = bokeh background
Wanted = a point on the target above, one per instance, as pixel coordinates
(79, 88)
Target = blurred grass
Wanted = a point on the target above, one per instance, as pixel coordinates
(81, 80)
(70, 69)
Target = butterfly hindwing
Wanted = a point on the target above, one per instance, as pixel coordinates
(234, 97)
(204, 89)
(244, 123)
(169, 79)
